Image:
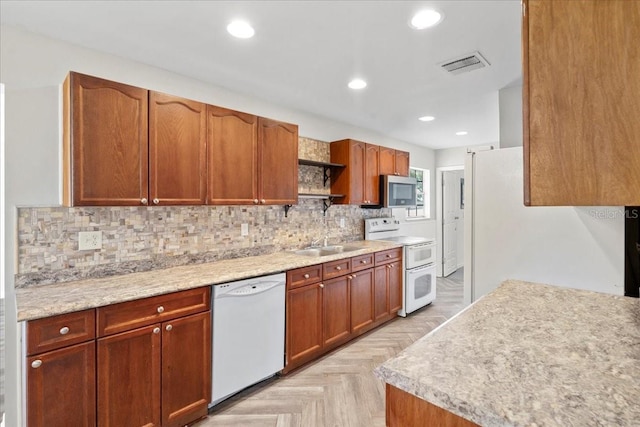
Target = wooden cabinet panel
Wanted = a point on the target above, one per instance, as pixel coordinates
(336, 311)
(277, 162)
(129, 378)
(361, 292)
(186, 364)
(304, 276)
(395, 292)
(581, 98)
(133, 314)
(402, 163)
(361, 262)
(61, 387)
(350, 180)
(372, 175)
(304, 325)
(381, 293)
(336, 268)
(177, 150)
(55, 332)
(232, 157)
(387, 161)
(105, 149)
(390, 255)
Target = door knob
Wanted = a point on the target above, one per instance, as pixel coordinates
(169, 327)
(144, 201)
(64, 330)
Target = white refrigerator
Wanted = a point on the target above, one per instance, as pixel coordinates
(577, 247)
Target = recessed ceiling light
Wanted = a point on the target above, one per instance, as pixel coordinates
(425, 19)
(241, 29)
(357, 84)
(462, 133)
(426, 118)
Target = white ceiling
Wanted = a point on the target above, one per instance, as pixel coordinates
(305, 52)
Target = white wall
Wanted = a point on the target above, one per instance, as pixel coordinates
(510, 102)
(447, 157)
(32, 69)
(577, 247)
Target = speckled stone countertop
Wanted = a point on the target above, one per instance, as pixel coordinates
(42, 301)
(530, 355)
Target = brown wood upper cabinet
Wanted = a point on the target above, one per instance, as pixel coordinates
(105, 142)
(177, 150)
(252, 160)
(581, 98)
(359, 180)
(394, 162)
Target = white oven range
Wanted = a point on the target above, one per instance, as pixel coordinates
(419, 262)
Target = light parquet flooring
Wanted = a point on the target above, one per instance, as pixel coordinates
(340, 389)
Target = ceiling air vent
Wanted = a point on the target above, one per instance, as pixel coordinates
(464, 63)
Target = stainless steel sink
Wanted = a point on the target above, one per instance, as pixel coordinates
(326, 250)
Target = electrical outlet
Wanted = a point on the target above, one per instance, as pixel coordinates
(89, 240)
(342, 225)
(244, 229)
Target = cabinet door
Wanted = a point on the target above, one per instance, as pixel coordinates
(387, 161)
(581, 100)
(105, 143)
(61, 387)
(177, 150)
(129, 378)
(304, 324)
(186, 369)
(381, 296)
(402, 163)
(232, 145)
(395, 291)
(372, 176)
(277, 162)
(361, 292)
(336, 310)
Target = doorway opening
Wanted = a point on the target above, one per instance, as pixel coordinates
(450, 221)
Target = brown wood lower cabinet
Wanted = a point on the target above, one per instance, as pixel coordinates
(404, 409)
(61, 387)
(324, 314)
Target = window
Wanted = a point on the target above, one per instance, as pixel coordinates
(423, 196)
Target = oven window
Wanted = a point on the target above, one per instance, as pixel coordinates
(422, 286)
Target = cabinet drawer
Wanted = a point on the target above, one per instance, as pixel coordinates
(60, 331)
(134, 314)
(389, 255)
(304, 276)
(361, 262)
(336, 268)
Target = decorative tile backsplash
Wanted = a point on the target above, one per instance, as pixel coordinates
(144, 238)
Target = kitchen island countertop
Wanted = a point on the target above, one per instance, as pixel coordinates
(530, 355)
(35, 302)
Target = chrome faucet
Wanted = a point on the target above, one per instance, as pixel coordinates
(316, 243)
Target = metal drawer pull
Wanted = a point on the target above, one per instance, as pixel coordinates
(390, 265)
(255, 201)
(64, 330)
(388, 255)
(143, 201)
(322, 285)
(156, 201)
(263, 201)
(338, 268)
(364, 261)
(160, 309)
(169, 327)
(354, 276)
(306, 276)
(156, 330)
(36, 363)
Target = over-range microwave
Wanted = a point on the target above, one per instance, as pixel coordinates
(398, 191)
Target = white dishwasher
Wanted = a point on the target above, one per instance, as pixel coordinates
(248, 333)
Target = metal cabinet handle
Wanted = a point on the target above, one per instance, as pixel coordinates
(364, 261)
(349, 277)
(263, 201)
(144, 201)
(169, 327)
(255, 201)
(156, 330)
(306, 276)
(160, 309)
(388, 255)
(390, 265)
(36, 363)
(353, 276)
(338, 268)
(156, 201)
(322, 285)
(64, 330)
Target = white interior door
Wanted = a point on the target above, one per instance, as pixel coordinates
(450, 207)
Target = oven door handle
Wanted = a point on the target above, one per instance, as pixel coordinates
(421, 268)
(420, 246)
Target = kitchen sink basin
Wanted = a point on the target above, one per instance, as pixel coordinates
(326, 250)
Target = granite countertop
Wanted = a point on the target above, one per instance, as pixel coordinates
(530, 355)
(35, 302)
